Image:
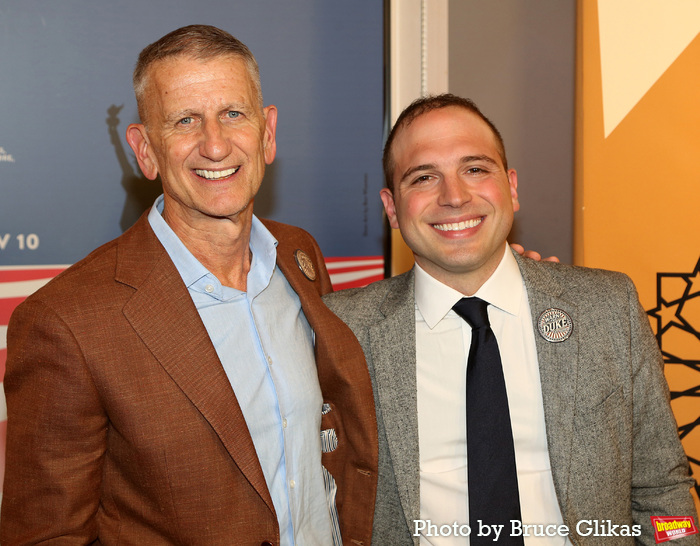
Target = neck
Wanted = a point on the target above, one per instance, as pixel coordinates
(222, 245)
(467, 284)
(465, 281)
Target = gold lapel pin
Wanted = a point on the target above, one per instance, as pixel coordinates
(305, 264)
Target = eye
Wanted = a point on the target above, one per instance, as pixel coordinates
(186, 121)
(422, 179)
(232, 114)
(475, 170)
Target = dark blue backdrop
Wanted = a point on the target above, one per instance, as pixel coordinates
(69, 182)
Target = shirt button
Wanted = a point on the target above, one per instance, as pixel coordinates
(209, 288)
(284, 423)
(269, 360)
(292, 484)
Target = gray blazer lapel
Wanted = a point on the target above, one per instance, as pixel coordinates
(558, 363)
(393, 356)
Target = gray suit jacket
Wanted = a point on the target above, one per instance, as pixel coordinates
(613, 445)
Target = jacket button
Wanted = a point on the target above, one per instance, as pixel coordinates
(266, 543)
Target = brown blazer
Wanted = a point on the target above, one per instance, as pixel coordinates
(122, 425)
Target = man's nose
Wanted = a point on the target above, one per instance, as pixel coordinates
(454, 192)
(215, 145)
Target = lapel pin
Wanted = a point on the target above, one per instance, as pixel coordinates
(305, 264)
(555, 325)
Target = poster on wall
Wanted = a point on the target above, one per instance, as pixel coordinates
(69, 182)
(638, 184)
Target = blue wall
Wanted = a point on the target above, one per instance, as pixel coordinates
(68, 176)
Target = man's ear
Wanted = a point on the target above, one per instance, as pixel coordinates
(513, 183)
(389, 206)
(269, 137)
(138, 140)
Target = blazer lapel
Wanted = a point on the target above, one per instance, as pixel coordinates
(393, 357)
(162, 313)
(309, 289)
(558, 364)
(345, 384)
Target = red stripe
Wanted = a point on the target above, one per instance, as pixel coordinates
(351, 258)
(13, 275)
(334, 270)
(364, 281)
(7, 305)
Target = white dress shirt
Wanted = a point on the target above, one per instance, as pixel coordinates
(442, 346)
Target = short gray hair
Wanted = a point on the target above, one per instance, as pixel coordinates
(201, 42)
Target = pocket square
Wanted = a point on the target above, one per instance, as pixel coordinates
(329, 440)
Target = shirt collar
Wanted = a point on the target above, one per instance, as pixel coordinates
(503, 289)
(262, 245)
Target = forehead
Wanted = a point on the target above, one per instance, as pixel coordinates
(444, 132)
(185, 77)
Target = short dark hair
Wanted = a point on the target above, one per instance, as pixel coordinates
(422, 106)
(201, 42)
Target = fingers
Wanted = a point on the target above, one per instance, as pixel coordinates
(532, 254)
(518, 248)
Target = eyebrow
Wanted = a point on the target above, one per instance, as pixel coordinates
(472, 158)
(464, 160)
(176, 116)
(189, 112)
(417, 168)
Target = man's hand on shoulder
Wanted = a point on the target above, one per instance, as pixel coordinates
(532, 254)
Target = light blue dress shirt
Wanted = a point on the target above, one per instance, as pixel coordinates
(265, 345)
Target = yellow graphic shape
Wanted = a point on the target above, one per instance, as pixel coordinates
(637, 190)
(638, 42)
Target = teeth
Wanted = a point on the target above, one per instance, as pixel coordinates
(215, 175)
(459, 225)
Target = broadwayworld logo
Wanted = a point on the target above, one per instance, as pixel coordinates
(667, 528)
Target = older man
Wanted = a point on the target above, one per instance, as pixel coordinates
(165, 389)
(517, 401)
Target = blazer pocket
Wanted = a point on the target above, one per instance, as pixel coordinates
(606, 427)
(609, 410)
(602, 449)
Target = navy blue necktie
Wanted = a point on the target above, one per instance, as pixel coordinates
(492, 476)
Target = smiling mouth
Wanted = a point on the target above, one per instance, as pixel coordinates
(215, 175)
(458, 226)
